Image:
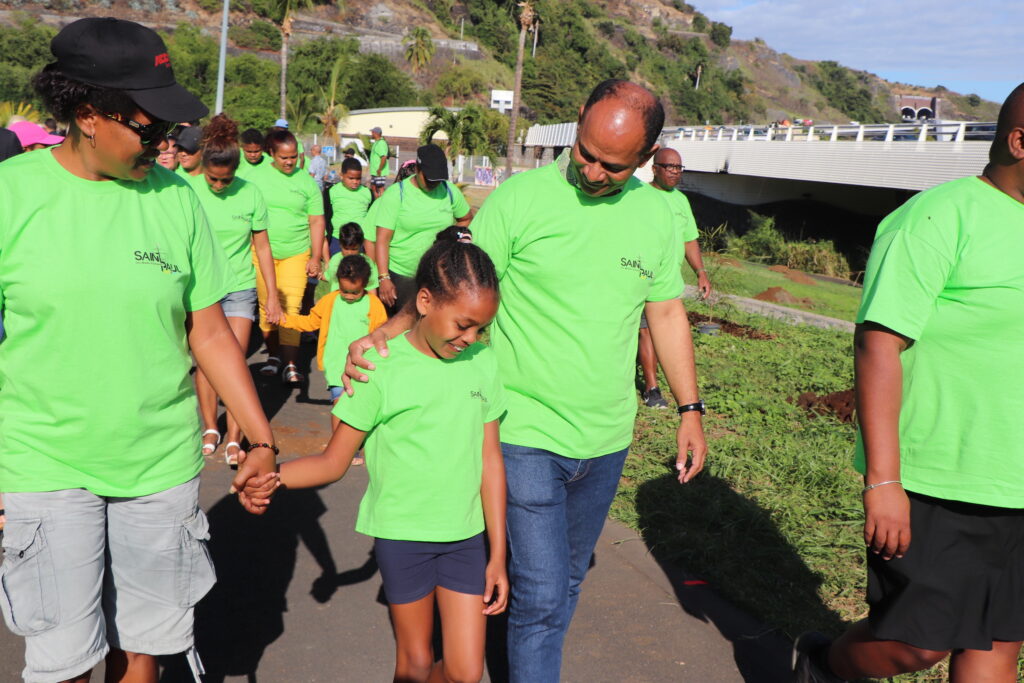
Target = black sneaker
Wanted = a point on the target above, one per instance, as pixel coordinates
(653, 399)
(809, 665)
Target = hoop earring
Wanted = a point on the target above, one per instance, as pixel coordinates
(91, 139)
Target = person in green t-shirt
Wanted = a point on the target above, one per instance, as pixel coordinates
(253, 154)
(190, 156)
(238, 216)
(565, 341)
(350, 241)
(939, 358)
(668, 169)
(350, 200)
(410, 214)
(379, 170)
(296, 209)
(436, 478)
(100, 446)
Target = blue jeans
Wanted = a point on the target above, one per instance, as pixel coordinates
(556, 510)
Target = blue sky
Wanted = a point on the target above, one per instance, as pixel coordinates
(966, 46)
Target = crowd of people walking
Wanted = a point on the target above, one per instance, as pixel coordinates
(491, 466)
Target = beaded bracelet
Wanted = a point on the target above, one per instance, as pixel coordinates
(881, 483)
(277, 451)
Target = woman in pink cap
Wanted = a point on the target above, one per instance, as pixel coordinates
(32, 136)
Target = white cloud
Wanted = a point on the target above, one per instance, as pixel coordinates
(939, 41)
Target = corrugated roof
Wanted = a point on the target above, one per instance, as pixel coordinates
(551, 135)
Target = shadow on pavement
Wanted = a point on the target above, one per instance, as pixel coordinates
(727, 543)
(255, 561)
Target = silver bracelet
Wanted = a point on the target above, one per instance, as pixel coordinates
(881, 483)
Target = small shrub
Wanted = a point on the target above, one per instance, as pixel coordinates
(260, 35)
(973, 100)
(721, 34)
(700, 23)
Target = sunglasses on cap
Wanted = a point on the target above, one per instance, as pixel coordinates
(148, 132)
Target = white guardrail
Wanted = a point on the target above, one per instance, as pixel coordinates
(924, 131)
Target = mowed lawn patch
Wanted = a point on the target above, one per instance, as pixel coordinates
(747, 279)
(774, 523)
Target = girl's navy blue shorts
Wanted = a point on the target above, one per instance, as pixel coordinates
(412, 569)
(960, 583)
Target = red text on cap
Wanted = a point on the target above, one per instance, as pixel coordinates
(162, 59)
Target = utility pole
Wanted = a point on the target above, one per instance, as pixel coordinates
(527, 22)
(223, 58)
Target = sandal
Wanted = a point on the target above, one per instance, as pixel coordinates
(211, 448)
(292, 375)
(271, 367)
(232, 458)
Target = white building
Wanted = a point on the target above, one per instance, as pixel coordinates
(501, 100)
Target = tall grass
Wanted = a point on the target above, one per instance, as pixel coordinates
(767, 245)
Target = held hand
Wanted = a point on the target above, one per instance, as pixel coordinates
(496, 588)
(690, 439)
(257, 479)
(703, 285)
(355, 359)
(273, 309)
(386, 292)
(313, 267)
(887, 521)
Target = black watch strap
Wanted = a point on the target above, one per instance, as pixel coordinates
(699, 405)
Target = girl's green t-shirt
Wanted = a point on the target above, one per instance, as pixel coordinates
(234, 215)
(945, 270)
(95, 391)
(424, 419)
(291, 200)
(349, 321)
(416, 216)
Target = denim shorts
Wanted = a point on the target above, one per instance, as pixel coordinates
(84, 573)
(378, 180)
(335, 392)
(412, 569)
(240, 304)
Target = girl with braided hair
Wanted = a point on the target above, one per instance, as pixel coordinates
(437, 480)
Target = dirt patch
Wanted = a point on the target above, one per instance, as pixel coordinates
(730, 328)
(731, 262)
(797, 276)
(780, 295)
(839, 404)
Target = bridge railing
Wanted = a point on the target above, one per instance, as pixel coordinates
(923, 131)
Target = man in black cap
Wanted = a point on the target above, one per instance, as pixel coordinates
(190, 153)
(410, 214)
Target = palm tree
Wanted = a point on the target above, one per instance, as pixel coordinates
(527, 22)
(334, 111)
(464, 128)
(419, 48)
(285, 9)
(300, 110)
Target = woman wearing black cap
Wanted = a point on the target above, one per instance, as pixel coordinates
(408, 216)
(99, 440)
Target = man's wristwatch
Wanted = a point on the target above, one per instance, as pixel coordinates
(699, 405)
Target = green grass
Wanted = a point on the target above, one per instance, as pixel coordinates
(749, 279)
(774, 523)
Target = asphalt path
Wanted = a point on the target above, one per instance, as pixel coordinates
(299, 596)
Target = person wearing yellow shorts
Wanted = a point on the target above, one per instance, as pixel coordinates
(296, 209)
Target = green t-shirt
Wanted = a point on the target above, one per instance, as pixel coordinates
(95, 390)
(686, 224)
(331, 272)
(349, 206)
(945, 271)
(182, 173)
(234, 215)
(575, 272)
(245, 169)
(417, 216)
(424, 450)
(379, 150)
(349, 321)
(291, 200)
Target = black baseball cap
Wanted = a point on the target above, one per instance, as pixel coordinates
(189, 139)
(432, 161)
(122, 55)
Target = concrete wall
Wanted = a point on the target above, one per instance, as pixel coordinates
(400, 122)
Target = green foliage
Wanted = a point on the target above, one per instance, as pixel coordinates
(459, 83)
(249, 93)
(24, 50)
(606, 27)
(492, 24)
(194, 57)
(419, 48)
(846, 92)
(211, 6)
(766, 244)
(721, 34)
(700, 23)
(259, 35)
(377, 82)
(464, 128)
(973, 100)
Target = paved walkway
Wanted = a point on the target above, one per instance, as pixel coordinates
(298, 597)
